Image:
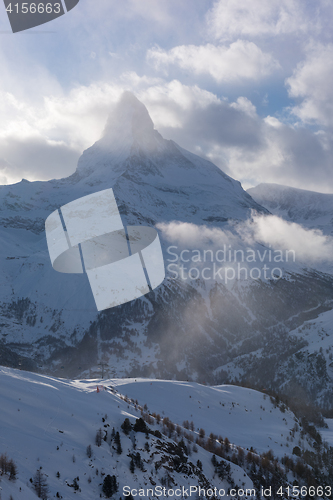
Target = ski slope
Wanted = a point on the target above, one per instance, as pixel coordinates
(247, 417)
(48, 422)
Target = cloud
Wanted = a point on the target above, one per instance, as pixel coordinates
(232, 135)
(241, 18)
(308, 246)
(312, 82)
(169, 103)
(193, 116)
(195, 236)
(35, 159)
(44, 140)
(295, 156)
(237, 43)
(245, 105)
(242, 60)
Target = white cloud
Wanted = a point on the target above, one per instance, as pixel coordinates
(273, 121)
(169, 103)
(245, 105)
(312, 82)
(44, 140)
(190, 235)
(241, 60)
(241, 18)
(309, 245)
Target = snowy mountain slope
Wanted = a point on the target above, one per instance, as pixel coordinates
(184, 329)
(48, 423)
(318, 334)
(59, 419)
(311, 209)
(302, 366)
(154, 180)
(328, 433)
(223, 410)
(75, 418)
(188, 341)
(315, 358)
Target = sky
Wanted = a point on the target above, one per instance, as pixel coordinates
(247, 85)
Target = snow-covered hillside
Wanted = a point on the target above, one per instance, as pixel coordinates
(246, 417)
(47, 424)
(311, 209)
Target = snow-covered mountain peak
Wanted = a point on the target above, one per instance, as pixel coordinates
(129, 130)
(156, 178)
(129, 117)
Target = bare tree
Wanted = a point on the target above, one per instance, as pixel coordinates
(8, 466)
(3, 464)
(40, 485)
(12, 469)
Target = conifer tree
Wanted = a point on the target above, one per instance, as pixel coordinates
(126, 426)
(98, 438)
(110, 486)
(118, 443)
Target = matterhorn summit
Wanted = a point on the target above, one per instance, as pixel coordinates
(129, 123)
(128, 130)
(155, 179)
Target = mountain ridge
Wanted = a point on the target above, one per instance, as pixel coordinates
(309, 208)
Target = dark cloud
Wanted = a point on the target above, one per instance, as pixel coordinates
(36, 159)
(224, 125)
(249, 147)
